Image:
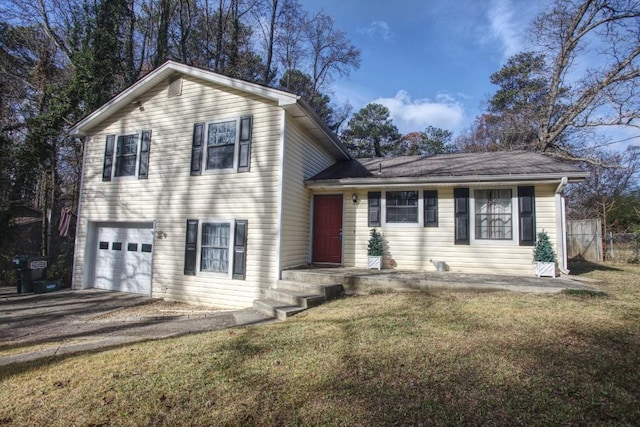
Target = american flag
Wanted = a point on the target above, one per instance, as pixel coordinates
(65, 220)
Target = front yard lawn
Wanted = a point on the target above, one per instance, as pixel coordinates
(402, 358)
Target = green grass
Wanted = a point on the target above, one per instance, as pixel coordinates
(408, 359)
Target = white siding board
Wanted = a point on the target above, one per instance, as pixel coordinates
(170, 195)
(413, 247)
(303, 159)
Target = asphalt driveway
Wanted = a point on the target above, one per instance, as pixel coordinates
(34, 326)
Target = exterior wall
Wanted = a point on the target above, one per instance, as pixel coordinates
(302, 160)
(412, 247)
(170, 195)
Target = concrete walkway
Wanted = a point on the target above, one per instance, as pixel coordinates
(64, 322)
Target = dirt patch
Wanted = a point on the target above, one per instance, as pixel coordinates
(158, 308)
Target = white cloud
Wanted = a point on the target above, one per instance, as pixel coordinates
(504, 27)
(412, 115)
(378, 29)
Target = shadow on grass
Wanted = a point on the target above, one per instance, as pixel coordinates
(579, 265)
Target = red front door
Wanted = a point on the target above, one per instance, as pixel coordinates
(327, 229)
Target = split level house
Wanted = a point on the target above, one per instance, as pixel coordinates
(198, 187)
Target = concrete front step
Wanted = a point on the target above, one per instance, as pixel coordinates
(278, 309)
(312, 276)
(330, 291)
(299, 298)
(288, 297)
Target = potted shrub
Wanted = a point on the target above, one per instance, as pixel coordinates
(375, 250)
(543, 256)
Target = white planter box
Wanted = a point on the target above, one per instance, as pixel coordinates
(374, 262)
(546, 269)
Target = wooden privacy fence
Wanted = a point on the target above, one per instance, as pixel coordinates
(584, 239)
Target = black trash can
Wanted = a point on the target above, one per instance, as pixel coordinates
(29, 268)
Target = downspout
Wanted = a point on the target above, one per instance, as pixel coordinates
(561, 226)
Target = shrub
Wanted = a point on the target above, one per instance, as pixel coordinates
(543, 251)
(375, 247)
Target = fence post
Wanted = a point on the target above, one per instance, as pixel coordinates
(611, 251)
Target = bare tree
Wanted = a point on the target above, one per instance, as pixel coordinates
(331, 51)
(592, 48)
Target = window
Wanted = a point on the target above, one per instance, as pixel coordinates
(214, 247)
(132, 247)
(104, 245)
(223, 145)
(127, 155)
(402, 207)
(493, 214)
(219, 246)
(146, 247)
(116, 246)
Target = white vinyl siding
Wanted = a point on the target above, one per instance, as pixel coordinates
(171, 195)
(302, 160)
(412, 248)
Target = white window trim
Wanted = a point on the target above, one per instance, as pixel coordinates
(383, 207)
(114, 158)
(236, 147)
(232, 234)
(515, 219)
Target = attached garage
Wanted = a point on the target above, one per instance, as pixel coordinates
(123, 257)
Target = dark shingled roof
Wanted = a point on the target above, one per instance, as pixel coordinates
(501, 163)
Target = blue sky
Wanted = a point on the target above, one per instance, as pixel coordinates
(428, 61)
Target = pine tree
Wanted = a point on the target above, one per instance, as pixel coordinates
(543, 251)
(375, 247)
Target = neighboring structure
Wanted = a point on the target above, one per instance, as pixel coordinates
(202, 188)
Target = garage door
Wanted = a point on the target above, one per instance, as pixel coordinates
(123, 259)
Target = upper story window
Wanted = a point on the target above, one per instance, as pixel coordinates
(402, 207)
(221, 146)
(127, 155)
(222, 138)
(493, 214)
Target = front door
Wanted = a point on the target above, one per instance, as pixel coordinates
(327, 229)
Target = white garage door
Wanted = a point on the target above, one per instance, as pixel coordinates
(123, 259)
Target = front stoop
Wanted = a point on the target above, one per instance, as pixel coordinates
(291, 297)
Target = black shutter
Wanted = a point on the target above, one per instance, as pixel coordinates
(191, 247)
(145, 146)
(430, 208)
(374, 208)
(461, 200)
(108, 158)
(196, 149)
(527, 215)
(240, 249)
(244, 156)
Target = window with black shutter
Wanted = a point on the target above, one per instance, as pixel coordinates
(430, 208)
(374, 208)
(527, 215)
(108, 158)
(240, 249)
(191, 247)
(222, 146)
(461, 209)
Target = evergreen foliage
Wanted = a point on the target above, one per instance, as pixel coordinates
(543, 251)
(375, 247)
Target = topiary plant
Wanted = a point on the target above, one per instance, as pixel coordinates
(375, 247)
(543, 251)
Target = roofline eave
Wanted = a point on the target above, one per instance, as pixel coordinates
(443, 181)
(163, 72)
